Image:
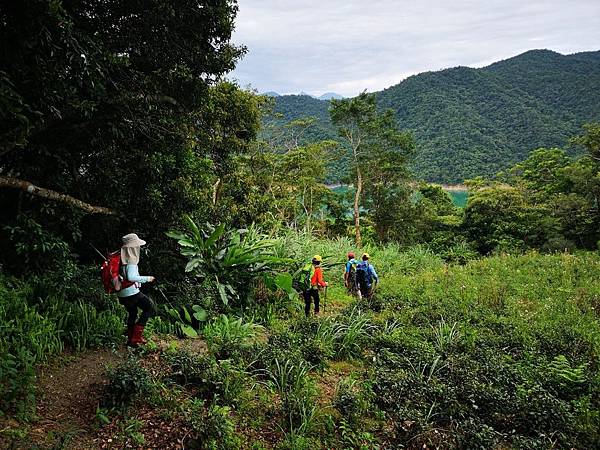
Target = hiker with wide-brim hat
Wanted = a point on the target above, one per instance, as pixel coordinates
(365, 276)
(131, 297)
(316, 282)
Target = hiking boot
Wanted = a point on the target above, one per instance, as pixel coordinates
(137, 337)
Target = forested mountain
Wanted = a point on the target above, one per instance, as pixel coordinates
(119, 134)
(469, 122)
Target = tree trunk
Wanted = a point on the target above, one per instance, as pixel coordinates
(215, 195)
(357, 207)
(53, 195)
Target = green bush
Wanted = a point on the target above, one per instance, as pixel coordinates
(127, 382)
(212, 427)
(225, 335)
(290, 380)
(210, 379)
(315, 339)
(350, 401)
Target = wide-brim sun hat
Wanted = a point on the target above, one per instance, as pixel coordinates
(132, 240)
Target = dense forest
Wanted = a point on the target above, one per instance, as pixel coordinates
(120, 133)
(471, 122)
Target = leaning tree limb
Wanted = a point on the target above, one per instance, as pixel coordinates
(53, 195)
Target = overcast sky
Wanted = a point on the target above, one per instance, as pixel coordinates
(347, 46)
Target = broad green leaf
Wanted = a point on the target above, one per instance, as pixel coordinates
(230, 289)
(186, 314)
(269, 281)
(176, 235)
(223, 295)
(284, 281)
(200, 315)
(185, 242)
(188, 330)
(194, 228)
(192, 264)
(174, 313)
(214, 237)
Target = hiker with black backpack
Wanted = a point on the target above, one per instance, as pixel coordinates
(365, 275)
(313, 283)
(350, 274)
(120, 274)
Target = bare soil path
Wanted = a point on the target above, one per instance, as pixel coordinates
(68, 394)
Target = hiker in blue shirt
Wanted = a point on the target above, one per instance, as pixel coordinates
(365, 275)
(131, 297)
(350, 274)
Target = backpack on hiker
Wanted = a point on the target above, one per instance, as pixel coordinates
(363, 275)
(112, 273)
(351, 280)
(302, 280)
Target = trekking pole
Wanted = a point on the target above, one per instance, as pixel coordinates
(162, 293)
(98, 251)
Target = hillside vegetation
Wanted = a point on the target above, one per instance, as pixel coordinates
(476, 122)
(501, 352)
(483, 331)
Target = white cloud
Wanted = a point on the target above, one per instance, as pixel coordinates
(348, 46)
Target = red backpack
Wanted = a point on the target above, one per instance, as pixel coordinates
(110, 272)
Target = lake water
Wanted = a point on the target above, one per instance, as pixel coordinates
(459, 197)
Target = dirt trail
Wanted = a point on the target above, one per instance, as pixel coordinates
(69, 395)
(70, 390)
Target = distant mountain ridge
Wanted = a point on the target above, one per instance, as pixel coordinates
(325, 96)
(470, 122)
(330, 95)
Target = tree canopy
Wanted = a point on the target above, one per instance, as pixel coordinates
(118, 104)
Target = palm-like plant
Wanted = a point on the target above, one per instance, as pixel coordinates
(233, 258)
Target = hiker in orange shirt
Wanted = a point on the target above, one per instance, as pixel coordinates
(316, 282)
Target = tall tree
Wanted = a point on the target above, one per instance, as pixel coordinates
(117, 104)
(378, 149)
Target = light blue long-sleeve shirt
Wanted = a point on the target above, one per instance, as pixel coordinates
(132, 274)
(371, 270)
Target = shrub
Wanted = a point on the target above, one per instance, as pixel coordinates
(350, 401)
(234, 259)
(212, 427)
(315, 339)
(297, 392)
(211, 379)
(352, 334)
(225, 336)
(126, 383)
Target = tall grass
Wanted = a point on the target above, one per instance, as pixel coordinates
(33, 330)
(387, 259)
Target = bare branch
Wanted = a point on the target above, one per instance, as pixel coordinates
(30, 188)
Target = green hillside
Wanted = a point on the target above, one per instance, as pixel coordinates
(470, 122)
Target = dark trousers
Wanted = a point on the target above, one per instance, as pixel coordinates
(366, 291)
(132, 303)
(308, 295)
